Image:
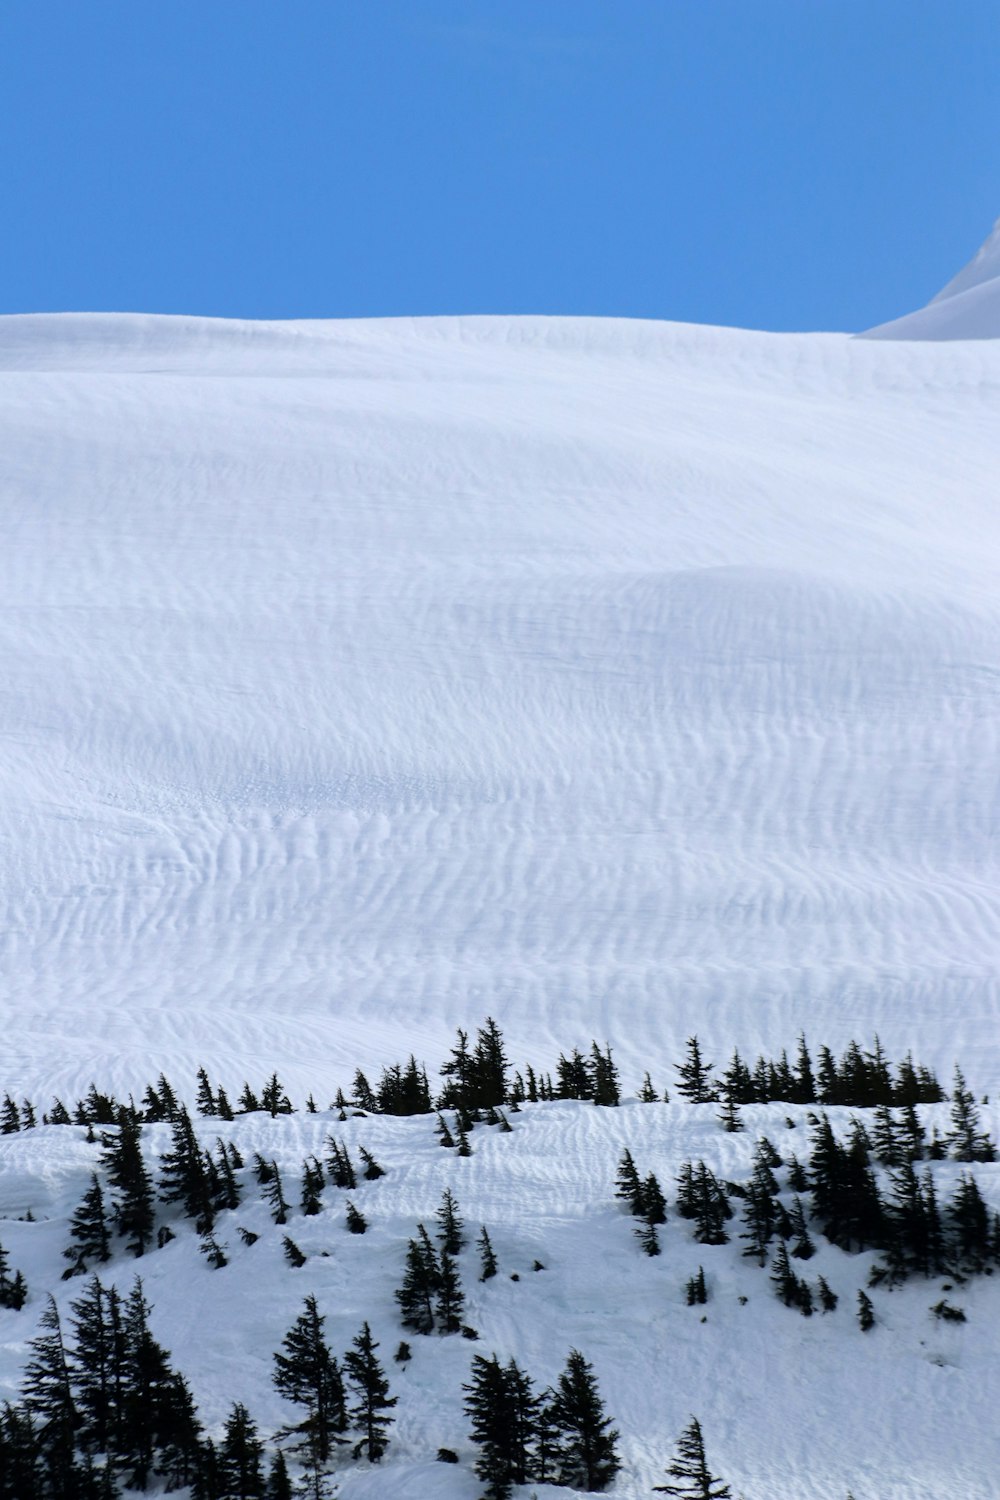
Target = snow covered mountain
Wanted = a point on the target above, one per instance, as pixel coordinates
(615, 679)
(618, 680)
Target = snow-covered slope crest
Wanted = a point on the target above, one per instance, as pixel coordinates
(616, 679)
(967, 308)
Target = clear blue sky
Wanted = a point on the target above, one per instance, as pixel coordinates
(769, 163)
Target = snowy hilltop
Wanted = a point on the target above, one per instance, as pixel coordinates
(624, 682)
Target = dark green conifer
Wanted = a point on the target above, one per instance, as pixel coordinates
(369, 1411)
(694, 1479)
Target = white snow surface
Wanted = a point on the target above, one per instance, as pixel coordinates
(967, 308)
(613, 678)
(616, 679)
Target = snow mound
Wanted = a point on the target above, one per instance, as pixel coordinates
(967, 308)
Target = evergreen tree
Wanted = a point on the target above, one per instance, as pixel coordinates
(450, 1227)
(240, 1457)
(421, 1282)
(587, 1458)
(10, 1118)
(133, 1206)
(184, 1178)
(443, 1133)
(448, 1307)
(313, 1182)
(372, 1169)
(307, 1374)
(293, 1254)
(20, 1470)
(339, 1166)
(489, 1407)
(356, 1221)
(966, 1140)
(48, 1397)
(629, 1185)
(696, 1291)
(488, 1261)
(89, 1231)
(695, 1075)
(279, 1484)
(97, 1364)
(489, 1067)
(369, 1413)
(866, 1313)
(605, 1087)
(275, 1195)
(827, 1299)
(205, 1102)
(730, 1117)
(647, 1094)
(695, 1481)
(274, 1099)
(654, 1205)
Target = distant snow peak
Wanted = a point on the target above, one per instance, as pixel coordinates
(984, 266)
(968, 307)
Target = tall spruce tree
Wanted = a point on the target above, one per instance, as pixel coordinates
(307, 1374)
(48, 1396)
(369, 1412)
(587, 1457)
(694, 1479)
(695, 1075)
(239, 1461)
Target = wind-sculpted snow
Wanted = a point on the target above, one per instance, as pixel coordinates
(616, 679)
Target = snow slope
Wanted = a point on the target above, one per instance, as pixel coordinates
(967, 308)
(792, 1408)
(617, 679)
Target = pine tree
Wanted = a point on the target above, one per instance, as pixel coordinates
(275, 1195)
(274, 1099)
(240, 1457)
(629, 1185)
(490, 1409)
(605, 1087)
(279, 1484)
(154, 1407)
(696, 1291)
(338, 1165)
(184, 1178)
(488, 1261)
(866, 1313)
(647, 1094)
(89, 1231)
(48, 1398)
(967, 1140)
(443, 1133)
(695, 1481)
(313, 1183)
(293, 1254)
(803, 1249)
(450, 1227)
(372, 1169)
(307, 1374)
(133, 1205)
(205, 1102)
(421, 1282)
(695, 1075)
(372, 1404)
(448, 1307)
(587, 1457)
(828, 1299)
(10, 1119)
(356, 1221)
(730, 1117)
(213, 1252)
(489, 1067)
(648, 1238)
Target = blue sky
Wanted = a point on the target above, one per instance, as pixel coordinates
(770, 163)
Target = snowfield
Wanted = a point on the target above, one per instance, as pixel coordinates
(618, 680)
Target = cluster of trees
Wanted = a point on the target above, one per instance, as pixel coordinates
(478, 1076)
(105, 1408)
(860, 1079)
(558, 1436)
(900, 1217)
(201, 1183)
